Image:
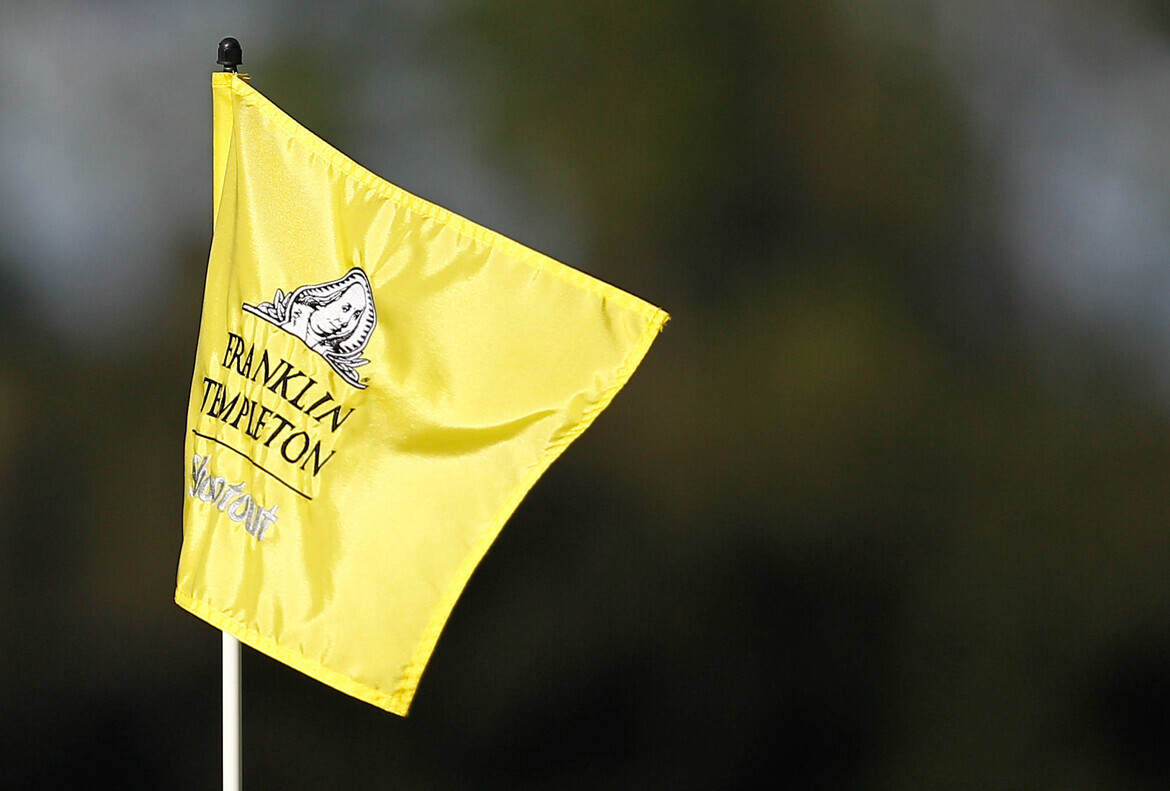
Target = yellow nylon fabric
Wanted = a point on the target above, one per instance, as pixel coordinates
(335, 508)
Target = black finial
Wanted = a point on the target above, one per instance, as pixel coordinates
(230, 54)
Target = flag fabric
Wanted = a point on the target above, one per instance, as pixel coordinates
(377, 385)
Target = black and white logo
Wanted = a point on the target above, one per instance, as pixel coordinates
(333, 319)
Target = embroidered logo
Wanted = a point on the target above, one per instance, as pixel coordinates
(333, 319)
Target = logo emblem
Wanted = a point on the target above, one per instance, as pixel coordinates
(333, 319)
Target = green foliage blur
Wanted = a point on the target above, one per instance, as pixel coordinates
(851, 525)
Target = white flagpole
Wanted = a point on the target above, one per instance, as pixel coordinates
(230, 57)
(232, 765)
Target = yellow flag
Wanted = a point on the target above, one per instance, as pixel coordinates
(378, 383)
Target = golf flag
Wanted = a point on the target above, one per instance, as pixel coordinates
(378, 383)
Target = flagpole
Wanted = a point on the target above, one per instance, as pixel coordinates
(230, 57)
(232, 763)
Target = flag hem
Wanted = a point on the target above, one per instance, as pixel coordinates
(391, 702)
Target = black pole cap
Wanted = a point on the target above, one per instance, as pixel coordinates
(231, 55)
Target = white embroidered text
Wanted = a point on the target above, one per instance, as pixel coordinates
(230, 499)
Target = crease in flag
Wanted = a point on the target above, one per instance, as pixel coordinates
(378, 383)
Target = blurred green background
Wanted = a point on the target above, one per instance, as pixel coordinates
(885, 507)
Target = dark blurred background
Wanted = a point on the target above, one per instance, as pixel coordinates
(885, 507)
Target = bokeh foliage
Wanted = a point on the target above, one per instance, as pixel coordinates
(851, 525)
